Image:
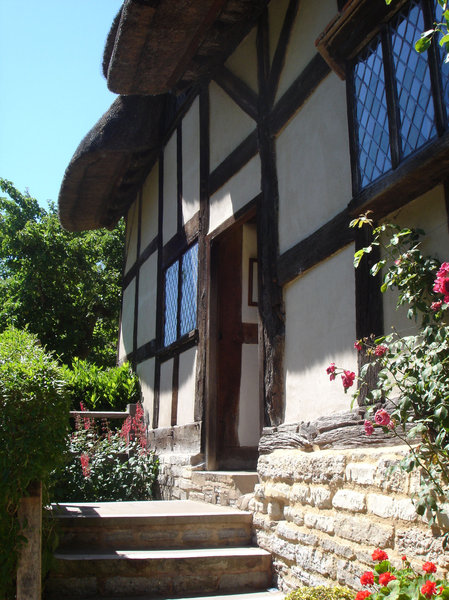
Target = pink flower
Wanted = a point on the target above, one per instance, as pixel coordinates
(358, 345)
(382, 417)
(367, 578)
(348, 379)
(435, 306)
(84, 458)
(429, 567)
(441, 284)
(369, 429)
(379, 554)
(429, 589)
(380, 350)
(385, 578)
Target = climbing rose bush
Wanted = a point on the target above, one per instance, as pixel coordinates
(405, 583)
(410, 397)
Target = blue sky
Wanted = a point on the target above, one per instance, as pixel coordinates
(52, 90)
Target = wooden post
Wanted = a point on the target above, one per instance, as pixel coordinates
(29, 585)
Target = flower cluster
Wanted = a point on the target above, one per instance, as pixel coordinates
(405, 583)
(441, 285)
(347, 377)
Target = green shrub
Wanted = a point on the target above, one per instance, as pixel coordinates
(321, 593)
(101, 389)
(33, 432)
(106, 466)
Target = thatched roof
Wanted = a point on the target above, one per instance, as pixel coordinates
(162, 45)
(110, 163)
(154, 47)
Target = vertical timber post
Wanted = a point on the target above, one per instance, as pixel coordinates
(29, 584)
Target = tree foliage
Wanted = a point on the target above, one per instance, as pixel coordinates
(64, 287)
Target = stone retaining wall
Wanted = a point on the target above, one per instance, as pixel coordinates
(321, 514)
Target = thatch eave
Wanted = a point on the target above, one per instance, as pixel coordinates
(162, 46)
(110, 164)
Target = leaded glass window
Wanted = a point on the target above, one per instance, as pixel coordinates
(395, 110)
(181, 296)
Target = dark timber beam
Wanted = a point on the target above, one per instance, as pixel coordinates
(237, 89)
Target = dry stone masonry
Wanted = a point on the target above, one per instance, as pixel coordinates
(321, 514)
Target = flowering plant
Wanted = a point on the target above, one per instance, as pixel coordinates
(106, 465)
(386, 581)
(410, 396)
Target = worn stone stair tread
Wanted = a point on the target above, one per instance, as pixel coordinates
(271, 594)
(150, 508)
(163, 554)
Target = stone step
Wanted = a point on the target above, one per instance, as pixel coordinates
(158, 572)
(150, 525)
(270, 594)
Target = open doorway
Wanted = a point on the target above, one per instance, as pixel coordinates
(235, 417)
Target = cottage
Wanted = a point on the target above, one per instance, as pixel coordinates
(246, 136)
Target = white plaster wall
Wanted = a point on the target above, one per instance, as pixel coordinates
(314, 164)
(276, 14)
(249, 408)
(150, 200)
(250, 314)
(243, 61)
(170, 223)
(191, 162)
(132, 224)
(320, 329)
(236, 192)
(127, 320)
(146, 319)
(229, 125)
(428, 212)
(186, 387)
(145, 372)
(311, 19)
(166, 394)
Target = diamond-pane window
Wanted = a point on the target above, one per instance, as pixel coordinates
(394, 109)
(180, 296)
(188, 289)
(171, 303)
(413, 82)
(372, 116)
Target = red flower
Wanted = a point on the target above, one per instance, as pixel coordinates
(380, 350)
(441, 285)
(403, 557)
(367, 578)
(385, 578)
(382, 417)
(358, 345)
(362, 595)
(331, 371)
(435, 306)
(84, 458)
(429, 589)
(348, 378)
(369, 429)
(429, 567)
(379, 554)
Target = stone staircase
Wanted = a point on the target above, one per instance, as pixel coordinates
(148, 549)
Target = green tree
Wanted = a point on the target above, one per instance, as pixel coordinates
(65, 287)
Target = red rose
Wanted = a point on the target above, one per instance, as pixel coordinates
(429, 589)
(367, 578)
(362, 595)
(429, 567)
(331, 371)
(358, 345)
(385, 578)
(369, 429)
(435, 306)
(380, 350)
(379, 554)
(348, 378)
(382, 417)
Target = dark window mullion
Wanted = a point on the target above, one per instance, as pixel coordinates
(433, 59)
(394, 120)
(353, 130)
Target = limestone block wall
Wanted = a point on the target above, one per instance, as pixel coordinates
(321, 514)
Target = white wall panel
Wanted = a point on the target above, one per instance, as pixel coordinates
(186, 387)
(145, 372)
(243, 62)
(132, 224)
(191, 162)
(150, 200)
(320, 329)
(127, 320)
(166, 394)
(236, 192)
(229, 125)
(170, 221)
(146, 321)
(314, 164)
